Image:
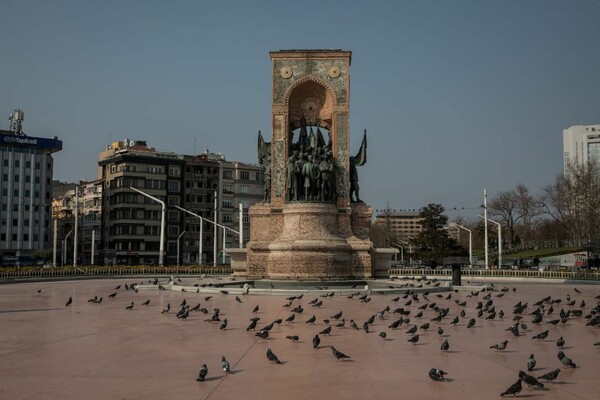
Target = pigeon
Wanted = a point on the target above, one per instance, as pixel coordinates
(341, 324)
(471, 323)
(183, 303)
(255, 310)
(437, 375)
(395, 324)
(93, 299)
(514, 389)
(118, 287)
(278, 321)
(337, 316)
(577, 290)
(541, 335)
(225, 365)
(550, 376)
(514, 329)
(252, 325)
(290, 318)
(412, 330)
(531, 363)
(202, 373)
(146, 302)
(353, 325)
(530, 381)
(69, 302)
(223, 324)
(440, 331)
(366, 327)
(112, 295)
(414, 339)
(560, 342)
(338, 354)
(383, 335)
(566, 361)
(207, 298)
(130, 306)
(183, 315)
(166, 309)
(500, 346)
(325, 331)
(445, 346)
(272, 357)
(311, 320)
(455, 320)
(293, 338)
(238, 299)
(262, 334)
(316, 341)
(424, 326)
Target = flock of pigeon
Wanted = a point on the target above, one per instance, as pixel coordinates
(419, 313)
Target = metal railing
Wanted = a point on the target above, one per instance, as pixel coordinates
(494, 273)
(12, 273)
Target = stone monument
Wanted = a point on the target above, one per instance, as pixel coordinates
(312, 222)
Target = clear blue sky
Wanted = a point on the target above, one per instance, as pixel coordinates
(455, 95)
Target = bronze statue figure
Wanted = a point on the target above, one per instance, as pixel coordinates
(359, 160)
(264, 159)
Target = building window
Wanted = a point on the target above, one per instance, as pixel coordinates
(28, 164)
(246, 233)
(14, 237)
(227, 218)
(15, 222)
(17, 163)
(3, 237)
(227, 204)
(16, 178)
(26, 237)
(227, 189)
(244, 189)
(173, 200)
(227, 174)
(16, 192)
(6, 163)
(245, 175)
(27, 178)
(5, 177)
(174, 171)
(173, 186)
(245, 218)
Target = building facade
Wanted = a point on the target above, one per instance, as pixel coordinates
(131, 222)
(25, 196)
(402, 225)
(581, 143)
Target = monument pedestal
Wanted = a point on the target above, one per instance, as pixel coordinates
(309, 240)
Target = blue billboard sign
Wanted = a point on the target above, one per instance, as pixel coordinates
(30, 141)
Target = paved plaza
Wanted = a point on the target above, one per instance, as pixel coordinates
(103, 351)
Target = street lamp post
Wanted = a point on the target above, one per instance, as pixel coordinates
(499, 240)
(409, 249)
(470, 240)
(64, 254)
(162, 224)
(55, 243)
(76, 237)
(217, 225)
(401, 252)
(179, 237)
(485, 220)
(200, 235)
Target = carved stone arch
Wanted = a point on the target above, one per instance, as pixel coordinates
(312, 98)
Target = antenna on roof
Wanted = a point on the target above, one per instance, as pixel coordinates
(16, 121)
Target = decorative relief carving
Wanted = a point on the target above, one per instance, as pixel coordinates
(278, 169)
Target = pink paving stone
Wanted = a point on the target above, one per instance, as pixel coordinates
(91, 351)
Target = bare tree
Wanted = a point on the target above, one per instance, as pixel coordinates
(505, 207)
(529, 207)
(573, 200)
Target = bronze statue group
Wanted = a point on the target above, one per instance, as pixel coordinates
(311, 169)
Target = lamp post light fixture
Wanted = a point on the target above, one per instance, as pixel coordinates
(217, 225)
(178, 239)
(64, 253)
(499, 240)
(76, 237)
(162, 224)
(200, 235)
(401, 251)
(409, 249)
(470, 240)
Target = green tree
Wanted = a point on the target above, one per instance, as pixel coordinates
(433, 243)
